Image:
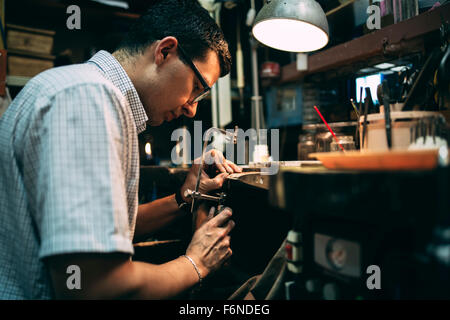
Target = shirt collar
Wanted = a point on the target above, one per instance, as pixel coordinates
(115, 72)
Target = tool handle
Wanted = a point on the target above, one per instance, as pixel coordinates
(366, 109)
(387, 113)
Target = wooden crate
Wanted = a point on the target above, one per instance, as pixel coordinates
(29, 39)
(26, 66)
(2, 72)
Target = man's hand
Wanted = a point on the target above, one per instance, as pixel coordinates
(210, 245)
(216, 160)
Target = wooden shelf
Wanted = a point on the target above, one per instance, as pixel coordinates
(31, 54)
(392, 40)
(17, 81)
(92, 8)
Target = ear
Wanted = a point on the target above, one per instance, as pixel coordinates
(165, 49)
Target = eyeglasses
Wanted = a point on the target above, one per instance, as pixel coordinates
(206, 88)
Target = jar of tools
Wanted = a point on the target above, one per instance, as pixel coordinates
(428, 133)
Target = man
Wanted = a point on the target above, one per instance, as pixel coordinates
(69, 167)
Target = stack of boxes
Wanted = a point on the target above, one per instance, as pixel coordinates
(2, 51)
(29, 50)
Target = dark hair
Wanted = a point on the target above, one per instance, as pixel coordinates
(185, 20)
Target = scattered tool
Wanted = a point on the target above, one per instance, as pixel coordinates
(380, 94)
(366, 111)
(418, 95)
(357, 126)
(372, 108)
(232, 137)
(360, 100)
(387, 113)
(220, 199)
(354, 107)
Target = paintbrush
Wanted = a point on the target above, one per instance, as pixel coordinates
(360, 100)
(357, 123)
(354, 107)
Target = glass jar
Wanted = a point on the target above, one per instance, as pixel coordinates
(305, 146)
(323, 141)
(346, 142)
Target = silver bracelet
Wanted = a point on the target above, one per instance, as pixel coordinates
(195, 267)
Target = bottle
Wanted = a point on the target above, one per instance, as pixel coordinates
(305, 146)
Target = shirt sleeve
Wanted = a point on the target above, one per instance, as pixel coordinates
(81, 198)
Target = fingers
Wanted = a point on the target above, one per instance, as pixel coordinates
(207, 185)
(229, 226)
(223, 165)
(211, 213)
(219, 180)
(233, 166)
(214, 157)
(228, 254)
(211, 243)
(220, 162)
(230, 167)
(227, 167)
(222, 218)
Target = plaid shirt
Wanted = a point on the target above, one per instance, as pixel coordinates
(69, 171)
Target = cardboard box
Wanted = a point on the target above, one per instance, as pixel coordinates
(26, 66)
(29, 39)
(2, 72)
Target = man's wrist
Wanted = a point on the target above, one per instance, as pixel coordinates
(197, 270)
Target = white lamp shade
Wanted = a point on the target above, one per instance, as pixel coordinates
(292, 25)
(290, 35)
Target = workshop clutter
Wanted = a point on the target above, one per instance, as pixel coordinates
(29, 50)
(410, 130)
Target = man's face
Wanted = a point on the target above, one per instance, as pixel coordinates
(168, 87)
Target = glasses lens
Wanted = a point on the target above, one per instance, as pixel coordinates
(201, 96)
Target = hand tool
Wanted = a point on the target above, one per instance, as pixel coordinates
(387, 113)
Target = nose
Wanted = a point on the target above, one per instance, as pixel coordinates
(190, 109)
